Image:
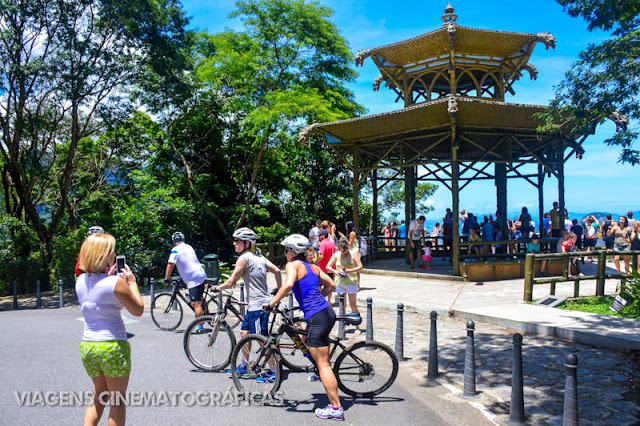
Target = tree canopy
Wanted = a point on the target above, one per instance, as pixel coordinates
(605, 80)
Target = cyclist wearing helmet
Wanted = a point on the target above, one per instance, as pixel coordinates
(305, 281)
(92, 230)
(253, 269)
(184, 257)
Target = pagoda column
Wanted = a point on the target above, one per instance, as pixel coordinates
(500, 177)
(356, 190)
(455, 207)
(541, 227)
(374, 185)
(408, 184)
(560, 168)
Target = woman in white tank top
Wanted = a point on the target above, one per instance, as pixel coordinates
(106, 354)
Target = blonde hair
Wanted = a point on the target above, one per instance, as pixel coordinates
(96, 253)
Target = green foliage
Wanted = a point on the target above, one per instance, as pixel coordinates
(220, 150)
(274, 233)
(598, 305)
(605, 81)
(630, 291)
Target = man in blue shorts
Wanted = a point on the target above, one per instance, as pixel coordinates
(253, 270)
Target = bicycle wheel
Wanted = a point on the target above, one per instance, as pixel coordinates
(166, 311)
(251, 367)
(208, 344)
(291, 356)
(366, 369)
(232, 319)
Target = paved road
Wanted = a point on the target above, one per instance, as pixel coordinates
(39, 351)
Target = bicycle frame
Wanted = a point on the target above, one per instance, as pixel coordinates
(294, 333)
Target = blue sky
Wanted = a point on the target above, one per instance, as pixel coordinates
(595, 183)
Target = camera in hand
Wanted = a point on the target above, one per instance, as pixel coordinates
(120, 262)
(342, 273)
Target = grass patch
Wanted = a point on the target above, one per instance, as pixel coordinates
(597, 305)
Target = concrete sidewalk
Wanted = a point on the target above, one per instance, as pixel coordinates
(500, 303)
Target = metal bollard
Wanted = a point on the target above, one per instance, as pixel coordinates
(341, 312)
(38, 295)
(290, 299)
(400, 333)
(432, 371)
(570, 413)
(242, 291)
(152, 291)
(516, 409)
(369, 319)
(470, 364)
(60, 283)
(15, 295)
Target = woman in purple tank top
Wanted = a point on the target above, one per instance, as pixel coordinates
(305, 281)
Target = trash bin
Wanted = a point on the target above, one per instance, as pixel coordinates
(212, 265)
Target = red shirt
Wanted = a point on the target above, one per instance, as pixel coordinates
(567, 246)
(327, 248)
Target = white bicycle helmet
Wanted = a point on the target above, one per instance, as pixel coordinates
(177, 236)
(95, 230)
(296, 242)
(245, 234)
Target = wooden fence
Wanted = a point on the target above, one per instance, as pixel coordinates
(601, 273)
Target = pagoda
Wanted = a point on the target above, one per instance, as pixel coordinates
(455, 126)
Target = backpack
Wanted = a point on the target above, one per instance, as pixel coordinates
(363, 247)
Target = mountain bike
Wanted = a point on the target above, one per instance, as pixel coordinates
(167, 311)
(362, 370)
(209, 340)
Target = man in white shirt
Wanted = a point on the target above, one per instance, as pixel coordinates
(416, 240)
(184, 257)
(314, 233)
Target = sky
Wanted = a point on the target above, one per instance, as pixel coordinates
(597, 182)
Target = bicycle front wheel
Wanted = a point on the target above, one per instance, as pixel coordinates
(208, 343)
(166, 311)
(256, 369)
(366, 369)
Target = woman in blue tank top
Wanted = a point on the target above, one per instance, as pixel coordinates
(305, 281)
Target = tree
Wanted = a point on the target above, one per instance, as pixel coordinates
(285, 70)
(605, 81)
(392, 195)
(68, 70)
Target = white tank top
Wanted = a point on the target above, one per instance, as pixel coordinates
(255, 281)
(100, 307)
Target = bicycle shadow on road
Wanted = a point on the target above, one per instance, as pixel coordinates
(321, 400)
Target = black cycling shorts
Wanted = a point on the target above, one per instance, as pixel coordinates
(319, 326)
(195, 293)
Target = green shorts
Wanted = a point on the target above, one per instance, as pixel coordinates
(111, 358)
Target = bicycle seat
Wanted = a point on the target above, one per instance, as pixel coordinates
(212, 280)
(350, 319)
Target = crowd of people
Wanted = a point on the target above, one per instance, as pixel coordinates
(572, 235)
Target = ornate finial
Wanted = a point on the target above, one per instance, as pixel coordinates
(362, 55)
(548, 39)
(449, 16)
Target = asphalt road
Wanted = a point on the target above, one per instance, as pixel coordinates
(39, 352)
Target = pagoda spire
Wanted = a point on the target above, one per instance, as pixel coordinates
(449, 16)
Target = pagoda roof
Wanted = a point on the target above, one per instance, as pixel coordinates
(469, 41)
(429, 116)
